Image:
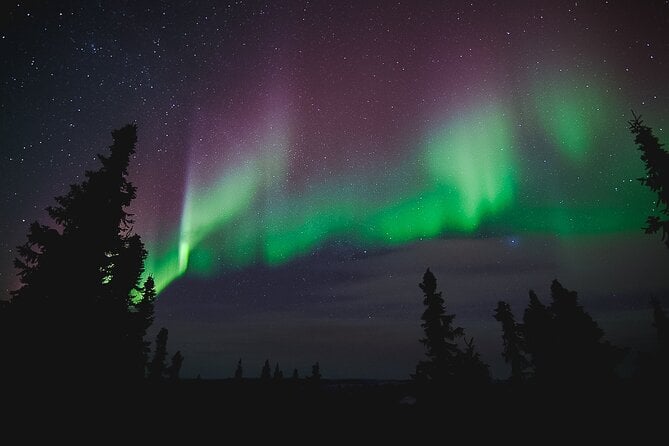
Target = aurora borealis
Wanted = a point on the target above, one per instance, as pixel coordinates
(300, 164)
(456, 178)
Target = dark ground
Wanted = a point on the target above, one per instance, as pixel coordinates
(200, 411)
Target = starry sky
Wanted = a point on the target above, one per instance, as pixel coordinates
(301, 163)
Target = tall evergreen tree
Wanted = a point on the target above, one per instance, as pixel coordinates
(239, 373)
(653, 366)
(661, 324)
(157, 365)
(315, 372)
(582, 354)
(471, 369)
(566, 345)
(175, 367)
(278, 374)
(440, 335)
(266, 373)
(538, 335)
(656, 160)
(513, 341)
(143, 319)
(78, 300)
(296, 375)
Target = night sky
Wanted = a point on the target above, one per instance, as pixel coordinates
(301, 164)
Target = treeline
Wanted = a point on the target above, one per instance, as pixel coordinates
(557, 344)
(266, 374)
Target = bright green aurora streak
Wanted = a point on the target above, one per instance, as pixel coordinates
(465, 174)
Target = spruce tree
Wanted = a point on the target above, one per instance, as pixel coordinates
(656, 161)
(266, 373)
(512, 339)
(654, 365)
(143, 318)
(471, 369)
(565, 343)
(581, 353)
(538, 334)
(315, 372)
(440, 336)
(157, 365)
(173, 370)
(239, 373)
(77, 305)
(661, 324)
(278, 374)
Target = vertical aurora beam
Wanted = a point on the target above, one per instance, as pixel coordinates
(218, 205)
(573, 115)
(205, 212)
(210, 207)
(580, 119)
(185, 232)
(221, 204)
(471, 161)
(213, 207)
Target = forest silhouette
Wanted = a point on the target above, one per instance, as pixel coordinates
(82, 311)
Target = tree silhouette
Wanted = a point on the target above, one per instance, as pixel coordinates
(471, 370)
(239, 373)
(79, 300)
(582, 353)
(661, 324)
(565, 343)
(143, 320)
(512, 338)
(296, 375)
(266, 373)
(440, 335)
(315, 372)
(175, 367)
(538, 334)
(278, 374)
(654, 366)
(656, 160)
(157, 365)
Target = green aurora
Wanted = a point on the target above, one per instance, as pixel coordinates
(464, 177)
